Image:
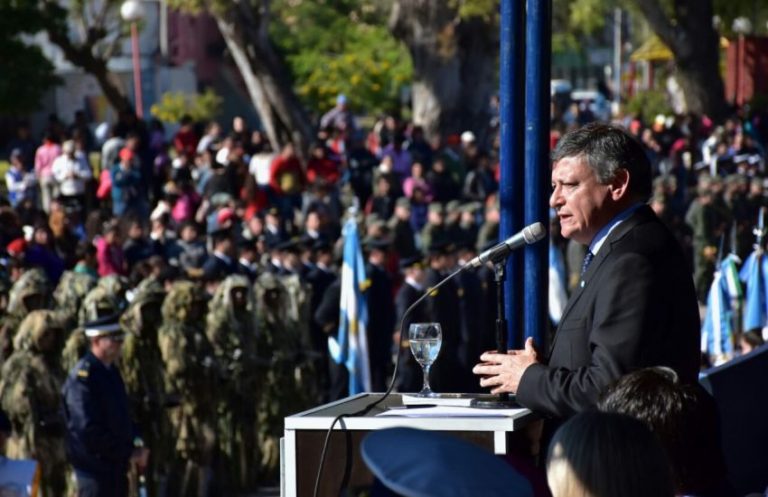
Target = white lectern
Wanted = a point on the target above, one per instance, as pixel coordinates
(305, 433)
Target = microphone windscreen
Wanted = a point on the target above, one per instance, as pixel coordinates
(534, 233)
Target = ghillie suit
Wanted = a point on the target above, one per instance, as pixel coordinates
(231, 329)
(30, 395)
(141, 367)
(107, 298)
(70, 294)
(287, 370)
(193, 374)
(29, 293)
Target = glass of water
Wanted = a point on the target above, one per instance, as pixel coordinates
(425, 340)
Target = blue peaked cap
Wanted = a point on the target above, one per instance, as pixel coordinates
(419, 463)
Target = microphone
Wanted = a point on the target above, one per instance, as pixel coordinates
(528, 235)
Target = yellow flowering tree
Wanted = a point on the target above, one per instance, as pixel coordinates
(200, 107)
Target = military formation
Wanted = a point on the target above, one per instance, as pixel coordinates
(208, 378)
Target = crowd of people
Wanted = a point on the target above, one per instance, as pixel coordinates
(223, 258)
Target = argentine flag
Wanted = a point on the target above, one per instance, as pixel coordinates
(350, 346)
(754, 274)
(717, 331)
(558, 296)
(730, 271)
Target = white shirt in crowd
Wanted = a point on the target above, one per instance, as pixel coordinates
(71, 173)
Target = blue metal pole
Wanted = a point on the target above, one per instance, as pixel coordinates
(537, 172)
(511, 118)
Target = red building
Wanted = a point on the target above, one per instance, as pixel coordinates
(746, 68)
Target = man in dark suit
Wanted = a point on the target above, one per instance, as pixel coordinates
(410, 378)
(220, 263)
(381, 312)
(444, 307)
(320, 278)
(635, 305)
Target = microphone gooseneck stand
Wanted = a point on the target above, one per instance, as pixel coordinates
(530, 234)
(502, 401)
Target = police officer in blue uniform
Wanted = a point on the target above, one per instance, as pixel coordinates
(101, 438)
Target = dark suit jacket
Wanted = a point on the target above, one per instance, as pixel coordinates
(637, 308)
(409, 378)
(216, 268)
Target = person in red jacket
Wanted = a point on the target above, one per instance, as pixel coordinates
(286, 181)
(321, 167)
(185, 141)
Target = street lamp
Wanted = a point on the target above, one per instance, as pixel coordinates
(741, 26)
(132, 11)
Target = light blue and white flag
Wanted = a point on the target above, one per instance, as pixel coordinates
(730, 271)
(754, 274)
(350, 346)
(717, 331)
(558, 296)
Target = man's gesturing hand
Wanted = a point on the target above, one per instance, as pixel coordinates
(502, 372)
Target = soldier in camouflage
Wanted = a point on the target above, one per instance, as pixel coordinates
(29, 293)
(107, 298)
(285, 374)
(231, 328)
(70, 294)
(141, 367)
(29, 393)
(192, 373)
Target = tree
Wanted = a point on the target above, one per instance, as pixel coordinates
(690, 34)
(27, 73)
(88, 46)
(341, 47)
(686, 27)
(454, 52)
(201, 107)
(244, 24)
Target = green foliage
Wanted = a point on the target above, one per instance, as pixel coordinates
(340, 47)
(27, 73)
(648, 104)
(572, 20)
(758, 103)
(485, 9)
(200, 107)
(588, 16)
(755, 11)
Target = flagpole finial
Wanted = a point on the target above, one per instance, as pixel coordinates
(355, 207)
(760, 231)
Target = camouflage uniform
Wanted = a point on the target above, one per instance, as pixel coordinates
(280, 347)
(193, 374)
(232, 331)
(69, 295)
(5, 287)
(30, 394)
(105, 299)
(141, 367)
(29, 293)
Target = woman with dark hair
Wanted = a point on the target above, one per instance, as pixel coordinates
(598, 454)
(109, 251)
(685, 419)
(64, 239)
(41, 253)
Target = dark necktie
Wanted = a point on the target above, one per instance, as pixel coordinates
(587, 260)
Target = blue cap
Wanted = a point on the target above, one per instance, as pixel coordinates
(417, 463)
(341, 99)
(103, 326)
